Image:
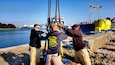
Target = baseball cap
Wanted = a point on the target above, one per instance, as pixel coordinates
(75, 25)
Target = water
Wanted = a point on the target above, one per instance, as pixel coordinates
(10, 38)
(14, 37)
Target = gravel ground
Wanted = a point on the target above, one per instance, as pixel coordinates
(20, 55)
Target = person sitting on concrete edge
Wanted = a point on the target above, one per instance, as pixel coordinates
(81, 53)
(53, 52)
(35, 44)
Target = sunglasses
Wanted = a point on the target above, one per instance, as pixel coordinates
(37, 27)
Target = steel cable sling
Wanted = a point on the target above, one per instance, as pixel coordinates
(57, 20)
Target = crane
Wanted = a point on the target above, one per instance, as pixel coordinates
(94, 7)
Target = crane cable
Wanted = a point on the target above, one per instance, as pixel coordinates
(58, 21)
(49, 14)
(48, 20)
(57, 15)
(47, 28)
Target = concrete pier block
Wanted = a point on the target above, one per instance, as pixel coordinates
(94, 42)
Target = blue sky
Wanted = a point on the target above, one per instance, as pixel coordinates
(20, 12)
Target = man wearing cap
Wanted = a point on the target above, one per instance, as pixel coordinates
(81, 54)
(35, 44)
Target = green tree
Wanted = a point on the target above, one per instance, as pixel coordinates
(7, 25)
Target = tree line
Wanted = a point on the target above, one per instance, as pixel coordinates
(2, 25)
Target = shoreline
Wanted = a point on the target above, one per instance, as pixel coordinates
(7, 28)
(23, 45)
(12, 47)
(26, 45)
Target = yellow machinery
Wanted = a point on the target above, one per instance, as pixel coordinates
(102, 24)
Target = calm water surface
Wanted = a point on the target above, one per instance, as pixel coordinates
(10, 38)
(14, 37)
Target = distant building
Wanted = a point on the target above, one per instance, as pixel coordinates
(28, 26)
